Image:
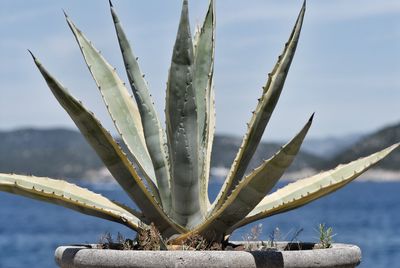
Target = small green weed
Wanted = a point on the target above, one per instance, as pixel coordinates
(325, 236)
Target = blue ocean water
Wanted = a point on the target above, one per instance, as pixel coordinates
(364, 213)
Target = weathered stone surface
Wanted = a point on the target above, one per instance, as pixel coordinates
(339, 256)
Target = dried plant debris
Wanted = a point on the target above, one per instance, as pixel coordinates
(274, 236)
(253, 239)
(106, 241)
(294, 242)
(198, 242)
(254, 234)
(149, 238)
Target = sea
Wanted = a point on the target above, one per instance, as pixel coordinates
(363, 213)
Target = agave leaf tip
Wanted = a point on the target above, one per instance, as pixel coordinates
(312, 117)
(33, 56)
(65, 13)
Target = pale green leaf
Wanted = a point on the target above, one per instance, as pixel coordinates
(153, 132)
(306, 190)
(121, 107)
(252, 189)
(68, 195)
(111, 155)
(262, 114)
(203, 76)
(182, 131)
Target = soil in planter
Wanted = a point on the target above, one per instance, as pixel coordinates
(151, 239)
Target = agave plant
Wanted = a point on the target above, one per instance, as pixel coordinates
(166, 172)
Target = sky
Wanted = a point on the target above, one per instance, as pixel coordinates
(346, 68)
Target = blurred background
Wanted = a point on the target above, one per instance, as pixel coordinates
(346, 69)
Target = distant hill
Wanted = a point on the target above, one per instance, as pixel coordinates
(370, 144)
(53, 152)
(330, 146)
(226, 147)
(65, 153)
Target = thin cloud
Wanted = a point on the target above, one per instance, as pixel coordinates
(250, 35)
(23, 15)
(317, 10)
(352, 10)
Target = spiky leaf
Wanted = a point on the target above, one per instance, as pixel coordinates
(262, 114)
(203, 66)
(252, 189)
(306, 190)
(210, 130)
(203, 76)
(153, 132)
(112, 155)
(121, 107)
(181, 121)
(68, 195)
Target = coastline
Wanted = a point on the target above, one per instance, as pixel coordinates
(219, 173)
(372, 175)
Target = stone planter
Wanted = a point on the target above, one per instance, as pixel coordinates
(340, 255)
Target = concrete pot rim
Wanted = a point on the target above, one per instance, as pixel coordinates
(339, 255)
